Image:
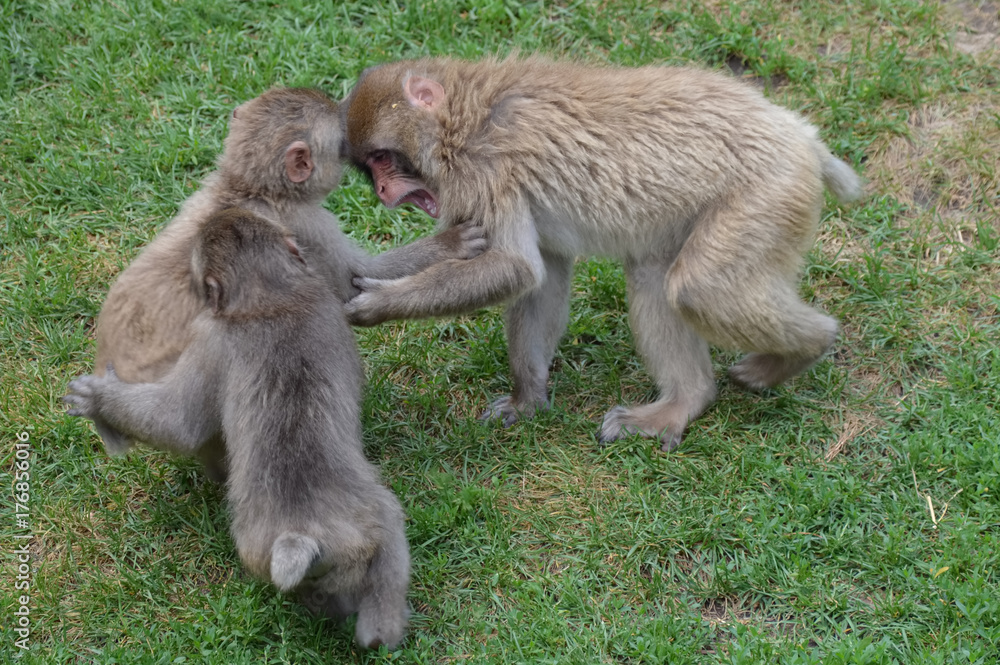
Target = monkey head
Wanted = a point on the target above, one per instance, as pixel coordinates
(243, 264)
(391, 120)
(284, 145)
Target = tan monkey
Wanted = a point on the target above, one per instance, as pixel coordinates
(280, 161)
(707, 192)
(271, 367)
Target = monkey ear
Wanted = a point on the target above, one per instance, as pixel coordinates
(294, 249)
(298, 161)
(213, 292)
(423, 92)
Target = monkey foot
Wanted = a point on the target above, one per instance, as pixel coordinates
(759, 371)
(619, 422)
(380, 626)
(507, 411)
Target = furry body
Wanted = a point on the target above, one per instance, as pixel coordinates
(271, 367)
(708, 193)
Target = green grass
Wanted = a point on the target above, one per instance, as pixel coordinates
(848, 517)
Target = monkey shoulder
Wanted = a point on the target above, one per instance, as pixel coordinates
(202, 203)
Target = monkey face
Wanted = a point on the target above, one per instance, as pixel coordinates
(395, 186)
(386, 114)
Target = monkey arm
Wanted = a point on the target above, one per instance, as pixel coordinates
(462, 241)
(444, 289)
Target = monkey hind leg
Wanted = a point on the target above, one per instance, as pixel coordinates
(115, 443)
(783, 335)
(383, 614)
(749, 302)
(534, 325)
(292, 556)
(676, 357)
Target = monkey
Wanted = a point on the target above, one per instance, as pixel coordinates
(280, 160)
(272, 367)
(708, 193)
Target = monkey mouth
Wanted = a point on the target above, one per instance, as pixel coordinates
(395, 189)
(420, 198)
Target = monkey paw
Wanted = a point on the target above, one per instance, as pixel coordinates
(365, 309)
(617, 425)
(85, 393)
(472, 241)
(760, 371)
(83, 396)
(381, 626)
(507, 411)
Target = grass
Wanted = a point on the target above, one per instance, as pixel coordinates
(848, 517)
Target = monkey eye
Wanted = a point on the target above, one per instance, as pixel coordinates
(378, 157)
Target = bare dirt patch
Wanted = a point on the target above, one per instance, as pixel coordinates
(978, 32)
(930, 167)
(724, 610)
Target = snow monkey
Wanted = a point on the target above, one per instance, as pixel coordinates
(708, 193)
(281, 159)
(271, 367)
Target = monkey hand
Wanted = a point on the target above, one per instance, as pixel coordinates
(85, 393)
(463, 241)
(84, 396)
(369, 307)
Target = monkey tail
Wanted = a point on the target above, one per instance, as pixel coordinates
(292, 555)
(840, 178)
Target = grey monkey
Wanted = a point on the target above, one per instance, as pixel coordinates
(708, 193)
(281, 158)
(271, 365)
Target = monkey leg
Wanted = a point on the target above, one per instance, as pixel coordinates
(534, 324)
(743, 296)
(115, 443)
(674, 354)
(759, 370)
(383, 613)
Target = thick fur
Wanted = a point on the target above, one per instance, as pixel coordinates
(145, 323)
(272, 368)
(707, 192)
